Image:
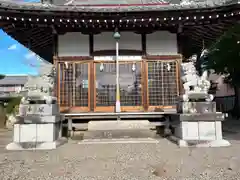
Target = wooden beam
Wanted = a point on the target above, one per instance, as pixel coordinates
(41, 36)
(43, 44)
(205, 33)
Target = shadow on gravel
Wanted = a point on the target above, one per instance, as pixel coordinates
(231, 129)
(6, 136)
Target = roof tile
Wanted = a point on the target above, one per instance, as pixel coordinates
(77, 8)
(13, 80)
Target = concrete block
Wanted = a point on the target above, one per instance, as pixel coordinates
(201, 127)
(189, 130)
(207, 130)
(36, 132)
(219, 130)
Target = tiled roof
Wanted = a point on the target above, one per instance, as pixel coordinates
(106, 2)
(184, 5)
(13, 80)
(100, 2)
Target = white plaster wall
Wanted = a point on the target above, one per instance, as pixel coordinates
(77, 44)
(128, 40)
(73, 44)
(161, 43)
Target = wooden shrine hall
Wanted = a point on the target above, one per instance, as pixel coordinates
(117, 58)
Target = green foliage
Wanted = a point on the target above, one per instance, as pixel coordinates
(224, 58)
(12, 105)
(2, 76)
(224, 55)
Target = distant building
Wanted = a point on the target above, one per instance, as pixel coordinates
(223, 89)
(11, 84)
(224, 95)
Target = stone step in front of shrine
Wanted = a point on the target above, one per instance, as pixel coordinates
(116, 136)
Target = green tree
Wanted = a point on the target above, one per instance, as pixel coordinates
(224, 58)
(2, 76)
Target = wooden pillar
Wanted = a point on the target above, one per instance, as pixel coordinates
(29, 43)
(179, 43)
(55, 45)
(91, 44)
(91, 86)
(55, 54)
(145, 85)
(144, 72)
(144, 44)
(180, 39)
(91, 74)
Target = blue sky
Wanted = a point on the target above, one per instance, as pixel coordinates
(16, 58)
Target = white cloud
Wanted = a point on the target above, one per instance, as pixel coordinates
(29, 55)
(12, 47)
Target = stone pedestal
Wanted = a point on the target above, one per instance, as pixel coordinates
(39, 126)
(198, 124)
(196, 107)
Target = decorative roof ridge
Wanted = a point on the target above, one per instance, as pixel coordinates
(185, 5)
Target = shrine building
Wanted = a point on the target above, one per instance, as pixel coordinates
(118, 56)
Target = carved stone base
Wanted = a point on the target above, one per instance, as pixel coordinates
(39, 109)
(199, 130)
(37, 119)
(36, 132)
(196, 107)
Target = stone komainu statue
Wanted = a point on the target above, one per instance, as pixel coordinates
(40, 87)
(194, 85)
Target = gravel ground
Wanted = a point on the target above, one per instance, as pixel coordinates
(121, 161)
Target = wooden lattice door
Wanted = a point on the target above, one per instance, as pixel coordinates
(74, 87)
(162, 84)
(130, 80)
